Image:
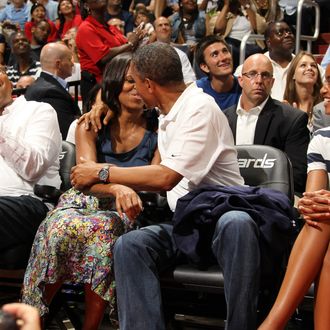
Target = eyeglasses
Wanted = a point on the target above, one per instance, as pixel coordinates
(253, 75)
(282, 32)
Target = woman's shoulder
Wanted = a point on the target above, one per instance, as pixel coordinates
(151, 116)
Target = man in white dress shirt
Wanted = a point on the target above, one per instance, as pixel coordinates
(259, 119)
(30, 144)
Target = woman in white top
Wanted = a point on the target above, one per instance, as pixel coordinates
(234, 21)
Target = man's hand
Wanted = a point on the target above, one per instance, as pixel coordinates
(315, 206)
(127, 201)
(28, 316)
(92, 119)
(85, 174)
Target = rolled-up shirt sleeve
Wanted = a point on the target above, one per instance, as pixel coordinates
(31, 148)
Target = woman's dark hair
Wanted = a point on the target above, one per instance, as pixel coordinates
(83, 10)
(61, 17)
(191, 20)
(91, 97)
(113, 80)
(234, 6)
(35, 6)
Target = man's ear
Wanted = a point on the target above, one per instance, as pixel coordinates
(57, 64)
(240, 81)
(204, 68)
(150, 85)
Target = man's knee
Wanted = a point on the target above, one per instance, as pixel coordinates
(137, 240)
(236, 219)
(131, 240)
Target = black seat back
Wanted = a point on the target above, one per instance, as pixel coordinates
(67, 160)
(265, 166)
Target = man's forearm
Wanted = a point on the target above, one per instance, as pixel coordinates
(149, 178)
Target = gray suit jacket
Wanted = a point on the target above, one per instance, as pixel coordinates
(320, 119)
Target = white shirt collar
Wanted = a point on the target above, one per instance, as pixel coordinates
(255, 111)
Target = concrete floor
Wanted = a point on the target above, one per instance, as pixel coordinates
(65, 318)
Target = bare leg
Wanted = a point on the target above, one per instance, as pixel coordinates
(322, 298)
(94, 309)
(305, 263)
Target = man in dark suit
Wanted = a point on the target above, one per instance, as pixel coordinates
(51, 87)
(258, 119)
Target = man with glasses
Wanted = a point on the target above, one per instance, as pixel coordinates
(259, 119)
(280, 43)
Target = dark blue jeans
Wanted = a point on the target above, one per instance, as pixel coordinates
(142, 254)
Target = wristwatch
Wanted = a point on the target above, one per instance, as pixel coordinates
(104, 173)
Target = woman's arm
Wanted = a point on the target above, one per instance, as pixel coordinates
(251, 15)
(317, 180)
(151, 6)
(221, 22)
(156, 159)
(85, 144)
(127, 201)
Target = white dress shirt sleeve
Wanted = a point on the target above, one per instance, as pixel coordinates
(30, 140)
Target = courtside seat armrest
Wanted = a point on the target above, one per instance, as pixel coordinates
(151, 198)
(209, 280)
(48, 194)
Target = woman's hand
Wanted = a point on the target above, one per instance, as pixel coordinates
(315, 207)
(137, 35)
(85, 174)
(127, 201)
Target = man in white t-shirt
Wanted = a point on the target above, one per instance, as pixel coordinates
(30, 144)
(197, 148)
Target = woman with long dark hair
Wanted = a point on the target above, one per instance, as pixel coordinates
(234, 21)
(67, 18)
(74, 243)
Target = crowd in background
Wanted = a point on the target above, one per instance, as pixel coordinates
(48, 20)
